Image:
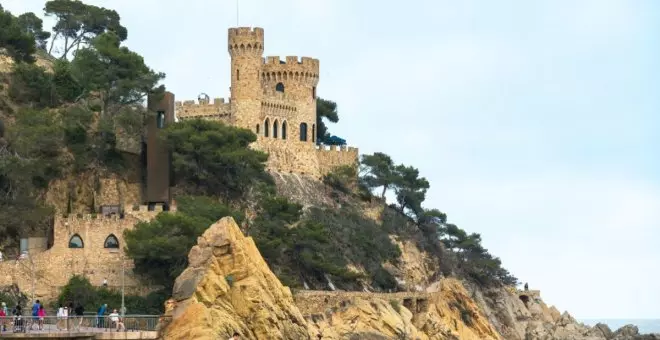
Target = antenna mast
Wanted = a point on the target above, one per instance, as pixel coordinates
(236, 13)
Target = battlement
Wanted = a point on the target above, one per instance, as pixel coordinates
(335, 148)
(202, 102)
(292, 68)
(246, 40)
(246, 31)
(203, 108)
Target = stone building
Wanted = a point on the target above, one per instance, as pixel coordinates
(276, 99)
(88, 245)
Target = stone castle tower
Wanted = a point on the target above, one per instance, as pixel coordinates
(276, 99)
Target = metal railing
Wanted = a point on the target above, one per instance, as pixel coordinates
(79, 324)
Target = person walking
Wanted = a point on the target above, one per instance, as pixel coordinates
(5, 320)
(80, 311)
(60, 317)
(35, 312)
(100, 315)
(42, 315)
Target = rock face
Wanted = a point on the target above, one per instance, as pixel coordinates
(524, 316)
(229, 288)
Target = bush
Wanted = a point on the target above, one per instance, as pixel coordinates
(80, 290)
(323, 243)
(160, 247)
(32, 85)
(342, 178)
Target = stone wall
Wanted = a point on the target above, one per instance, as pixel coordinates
(333, 156)
(54, 267)
(217, 110)
(311, 302)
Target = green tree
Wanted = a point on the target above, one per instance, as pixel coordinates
(29, 160)
(377, 171)
(214, 159)
(325, 109)
(113, 73)
(33, 25)
(19, 44)
(78, 24)
(410, 189)
(160, 247)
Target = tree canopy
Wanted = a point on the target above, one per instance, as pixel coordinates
(214, 159)
(79, 23)
(14, 39)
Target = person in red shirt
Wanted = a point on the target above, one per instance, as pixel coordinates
(3, 317)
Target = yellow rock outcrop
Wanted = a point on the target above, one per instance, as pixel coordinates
(228, 287)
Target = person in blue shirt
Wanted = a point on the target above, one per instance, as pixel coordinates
(100, 314)
(35, 313)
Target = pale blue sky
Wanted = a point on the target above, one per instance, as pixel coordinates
(536, 122)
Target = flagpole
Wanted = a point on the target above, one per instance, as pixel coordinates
(236, 13)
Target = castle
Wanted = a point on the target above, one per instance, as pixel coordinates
(273, 98)
(276, 99)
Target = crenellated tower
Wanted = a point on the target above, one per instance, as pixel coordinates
(276, 99)
(246, 47)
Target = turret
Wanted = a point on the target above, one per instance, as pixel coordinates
(246, 47)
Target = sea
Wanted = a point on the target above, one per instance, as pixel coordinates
(646, 326)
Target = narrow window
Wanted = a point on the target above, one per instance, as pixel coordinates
(111, 242)
(279, 87)
(238, 75)
(266, 127)
(76, 242)
(257, 129)
(160, 119)
(303, 132)
(284, 129)
(275, 128)
(314, 92)
(313, 132)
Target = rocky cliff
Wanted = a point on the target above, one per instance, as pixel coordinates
(228, 287)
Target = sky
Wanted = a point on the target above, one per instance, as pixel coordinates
(536, 122)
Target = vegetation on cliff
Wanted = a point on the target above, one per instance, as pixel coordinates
(67, 118)
(72, 117)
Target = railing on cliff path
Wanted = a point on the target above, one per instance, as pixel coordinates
(80, 324)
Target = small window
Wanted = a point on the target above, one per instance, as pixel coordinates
(266, 127)
(238, 75)
(160, 119)
(284, 130)
(279, 87)
(314, 92)
(313, 132)
(257, 129)
(76, 242)
(275, 128)
(111, 242)
(303, 132)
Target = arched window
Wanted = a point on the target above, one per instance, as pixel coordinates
(266, 127)
(284, 129)
(257, 129)
(275, 128)
(76, 242)
(279, 87)
(313, 132)
(160, 119)
(111, 242)
(303, 132)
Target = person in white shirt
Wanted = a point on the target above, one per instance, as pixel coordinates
(116, 320)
